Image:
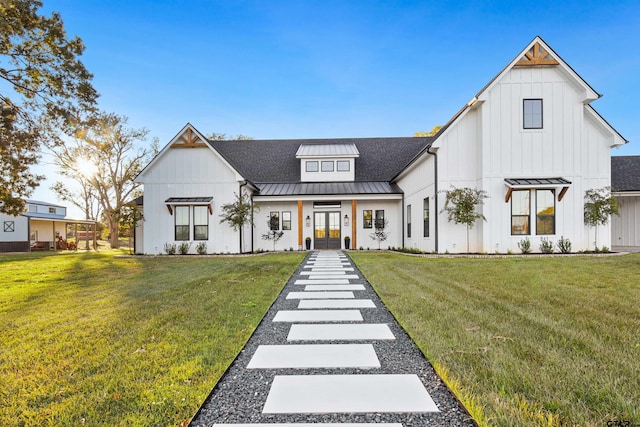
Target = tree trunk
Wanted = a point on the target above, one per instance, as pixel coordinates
(114, 231)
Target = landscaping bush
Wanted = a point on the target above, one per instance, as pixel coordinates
(170, 248)
(525, 246)
(184, 247)
(201, 248)
(564, 245)
(546, 246)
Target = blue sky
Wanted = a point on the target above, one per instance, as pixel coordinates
(322, 69)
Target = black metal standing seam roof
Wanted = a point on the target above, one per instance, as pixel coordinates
(274, 161)
(189, 200)
(327, 188)
(536, 181)
(625, 173)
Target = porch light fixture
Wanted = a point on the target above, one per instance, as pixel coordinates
(308, 221)
(346, 220)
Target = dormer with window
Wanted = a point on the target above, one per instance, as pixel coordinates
(327, 162)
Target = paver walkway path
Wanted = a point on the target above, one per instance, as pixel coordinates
(329, 353)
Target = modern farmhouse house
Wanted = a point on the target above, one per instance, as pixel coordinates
(529, 138)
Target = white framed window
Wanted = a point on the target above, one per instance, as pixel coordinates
(409, 221)
(343, 165)
(532, 113)
(327, 166)
(311, 165)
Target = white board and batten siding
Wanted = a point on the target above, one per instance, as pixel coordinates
(188, 172)
(625, 228)
(570, 145)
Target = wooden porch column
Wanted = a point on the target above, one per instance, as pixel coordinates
(354, 223)
(55, 241)
(300, 225)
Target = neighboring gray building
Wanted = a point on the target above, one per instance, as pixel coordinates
(625, 183)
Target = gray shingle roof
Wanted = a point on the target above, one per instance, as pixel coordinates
(274, 161)
(625, 173)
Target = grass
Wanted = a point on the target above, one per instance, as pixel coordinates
(88, 338)
(523, 341)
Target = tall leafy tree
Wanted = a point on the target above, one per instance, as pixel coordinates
(460, 206)
(106, 157)
(432, 132)
(44, 89)
(224, 137)
(599, 205)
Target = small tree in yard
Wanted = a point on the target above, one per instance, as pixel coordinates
(460, 205)
(380, 234)
(239, 213)
(273, 234)
(599, 205)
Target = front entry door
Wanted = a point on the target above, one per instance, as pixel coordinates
(326, 230)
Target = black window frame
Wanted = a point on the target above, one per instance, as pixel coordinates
(526, 116)
(180, 229)
(379, 219)
(343, 162)
(274, 220)
(408, 221)
(367, 222)
(527, 215)
(286, 220)
(540, 218)
(307, 163)
(198, 228)
(327, 162)
(425, 217)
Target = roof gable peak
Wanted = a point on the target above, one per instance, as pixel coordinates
(536, 55)
(189, 137)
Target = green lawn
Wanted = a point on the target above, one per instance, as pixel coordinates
(92, 339)
(523, 341)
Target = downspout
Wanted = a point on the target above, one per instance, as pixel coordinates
(240, 197)
(435, 199)
(403, 231)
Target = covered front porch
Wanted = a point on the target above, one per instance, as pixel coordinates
(51, 234)
(329, 216)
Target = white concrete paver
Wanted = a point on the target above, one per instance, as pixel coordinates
(314, 356)
(340, 332)
(322, 394)
(317, 275)
(337, 303)
(318, 316)
(321, 282)
(334, 288)
(320, 295)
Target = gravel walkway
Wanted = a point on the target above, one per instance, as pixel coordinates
(241, 394)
